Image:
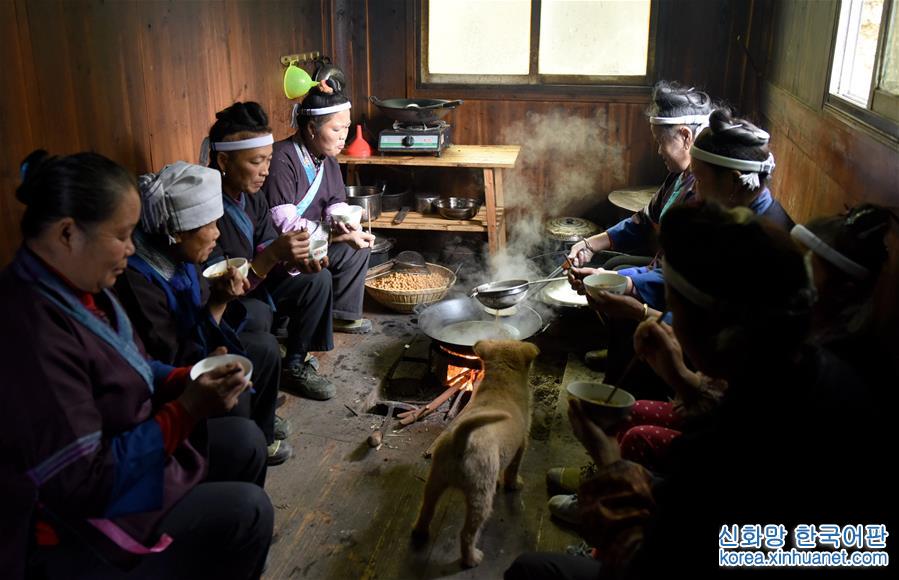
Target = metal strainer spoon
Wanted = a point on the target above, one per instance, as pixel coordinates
(411, 262)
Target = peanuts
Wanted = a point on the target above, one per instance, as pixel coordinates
(404, 281)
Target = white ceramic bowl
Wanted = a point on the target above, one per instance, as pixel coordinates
(219, 269)
(351, 215)
(594, 395)
(213, 362)
(318, 249)
(611, 283)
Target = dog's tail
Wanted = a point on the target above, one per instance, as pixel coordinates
(468, 424)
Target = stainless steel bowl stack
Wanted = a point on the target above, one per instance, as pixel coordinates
(457, 208)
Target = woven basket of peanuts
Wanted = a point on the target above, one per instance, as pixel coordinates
(402, 291)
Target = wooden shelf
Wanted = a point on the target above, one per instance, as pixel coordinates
(490, 159)
(418, 221)
(478, 156)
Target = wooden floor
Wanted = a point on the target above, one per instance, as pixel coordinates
(345, 511)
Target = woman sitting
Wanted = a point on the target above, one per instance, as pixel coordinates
(241, 149)
(676, 116)
(305, 184)
(179, 315)
(766, 454)
(731, 164)
(847, 253)
(95, 442)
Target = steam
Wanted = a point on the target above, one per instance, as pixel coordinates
(574, 156)
(566, 166)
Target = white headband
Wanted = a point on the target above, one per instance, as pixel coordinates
(682, 120)
(821, 248)
(766, 166)
(674, 279)
(250, 143)
(326, 110)
(296, 110)
(708, 302)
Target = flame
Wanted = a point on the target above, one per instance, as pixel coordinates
(462, 378)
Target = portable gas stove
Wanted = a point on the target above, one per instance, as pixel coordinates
(431, 137)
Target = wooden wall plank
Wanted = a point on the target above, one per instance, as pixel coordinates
(16, 129)
(139, 81)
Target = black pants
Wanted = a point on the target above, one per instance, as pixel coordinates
(549, 566)
(262, 349)
(222, 528)
(348, 267)
(306, 299)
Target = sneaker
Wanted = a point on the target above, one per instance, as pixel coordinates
(568, 479)
(278, 453)
(565, 508)
(282, 428)
(304, 380)
(361, 326)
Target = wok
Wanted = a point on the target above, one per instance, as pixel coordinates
(438, 320)
(415, 110)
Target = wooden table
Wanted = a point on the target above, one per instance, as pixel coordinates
(492, 159)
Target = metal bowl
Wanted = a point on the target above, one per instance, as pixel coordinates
(457, 208)
(367, 196)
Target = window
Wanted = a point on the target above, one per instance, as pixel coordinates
(864, 77)
(530, 42)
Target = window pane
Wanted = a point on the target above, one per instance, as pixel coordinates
(479, 36)
(594, 37)
(856, 49)
(889, 80)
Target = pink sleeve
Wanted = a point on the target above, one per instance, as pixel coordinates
(286, 219)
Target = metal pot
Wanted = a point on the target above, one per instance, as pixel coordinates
(381, 252)
(394, 200)
(366, 196)
(424, 202)
(457, 208)
(438, 320)
(415, 110)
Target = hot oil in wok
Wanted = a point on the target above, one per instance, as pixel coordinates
(470, 332)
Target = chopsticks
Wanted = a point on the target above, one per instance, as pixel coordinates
(630, 366)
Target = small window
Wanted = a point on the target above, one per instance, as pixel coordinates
(536, 42)
(864, 78)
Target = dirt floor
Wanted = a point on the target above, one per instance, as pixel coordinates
(345, 510)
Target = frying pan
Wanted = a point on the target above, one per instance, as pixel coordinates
(436, 318)
(415, 110)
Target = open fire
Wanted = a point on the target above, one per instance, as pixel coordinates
(464, 372)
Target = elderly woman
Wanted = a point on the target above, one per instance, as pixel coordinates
(241, 149)
(676, 116)
(305, 184)
(179, 315)
(99, 474)
(765, 454)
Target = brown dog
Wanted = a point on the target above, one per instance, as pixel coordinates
(490, 435)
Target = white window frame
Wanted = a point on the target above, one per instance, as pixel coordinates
(533, 78)
(876, 111)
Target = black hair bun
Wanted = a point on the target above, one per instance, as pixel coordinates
(249, 113)
(740, 131)
(673, 95)
(335, 84)
(671, 99)
(868, 220)
(27, 170)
